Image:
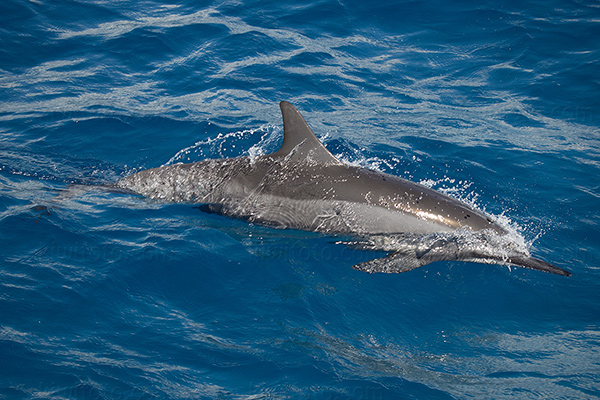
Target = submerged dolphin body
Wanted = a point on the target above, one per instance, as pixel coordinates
(303, 186)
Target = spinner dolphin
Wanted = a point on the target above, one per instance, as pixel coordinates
(303, 186)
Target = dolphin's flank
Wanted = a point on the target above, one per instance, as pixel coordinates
(303, 186)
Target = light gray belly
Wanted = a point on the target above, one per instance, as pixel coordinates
(326, 216)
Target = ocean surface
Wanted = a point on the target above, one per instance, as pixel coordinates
(106, 295)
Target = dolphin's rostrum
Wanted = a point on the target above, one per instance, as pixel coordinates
(303, 186)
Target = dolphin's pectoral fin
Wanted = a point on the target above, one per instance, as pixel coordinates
(394, 263)
(407, 252)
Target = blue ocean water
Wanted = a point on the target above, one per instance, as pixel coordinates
(108, 295)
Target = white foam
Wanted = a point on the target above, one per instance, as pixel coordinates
(216, 147)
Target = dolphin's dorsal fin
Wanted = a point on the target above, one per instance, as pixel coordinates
(299, 141)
